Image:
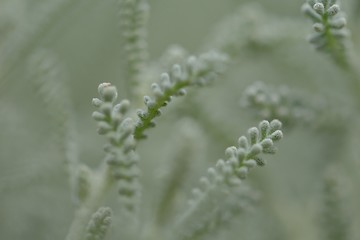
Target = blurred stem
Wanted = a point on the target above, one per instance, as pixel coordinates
(100, 186)
(353, 73)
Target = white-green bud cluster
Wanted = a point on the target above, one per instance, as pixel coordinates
(119, 129)
(270, 102)
(206, 68)
(110, 116)
(227, 175)
(134, 16)
(196, 71)
(99, 224)
(329, 25)
(239, 160)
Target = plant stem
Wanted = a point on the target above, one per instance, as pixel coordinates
(101, 183)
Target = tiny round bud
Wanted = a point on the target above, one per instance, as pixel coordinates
(233, 162)
(243, 142)
(319, 8)
(109, 93)
(127, 125)
(165, 81)
(96, 102)
(318, 27)
(253, 135)
(106, 108)
(241, 153)
(103, 128)
(277, 135)
(123, 106)
(230, 152)
(338, 23)
(267, 143)
(242, 172)
(98, 116)
(220, 165)
(181, 92)
(102, 86)
(255, 150)
(309, 11)
(333, 10)
(141, 114)
(264, 127)
(149, 102)
(275, 125)
(158, 93)
(250, 163)
(176, 71)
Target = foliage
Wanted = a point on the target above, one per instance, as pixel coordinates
(166, 113)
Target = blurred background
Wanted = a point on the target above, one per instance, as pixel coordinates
(84, 40)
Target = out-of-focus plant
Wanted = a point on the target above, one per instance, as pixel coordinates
(149, 90)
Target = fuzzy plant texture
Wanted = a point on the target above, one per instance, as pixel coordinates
(179, 120)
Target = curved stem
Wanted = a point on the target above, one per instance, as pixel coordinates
(101, 184)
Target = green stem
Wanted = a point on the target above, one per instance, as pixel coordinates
(155, 110)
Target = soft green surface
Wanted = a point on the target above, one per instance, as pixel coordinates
(35, 198)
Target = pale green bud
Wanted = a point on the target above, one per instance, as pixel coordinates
(102, 86)
(106, 108)
(333, 10)
(338, 23)
(319, 8)
(253, 135)
(318, 27)
(98, 116)
(243, 142)
(254, 150)
(230, 152)
(250, 163)
(275, 125)
(109, 94)
(277, 135)
(267, 143)
(104, 128)
(310, 12)
(97, 102)
(264, 127)
(165, 81)
(241, 153)
(242, 172)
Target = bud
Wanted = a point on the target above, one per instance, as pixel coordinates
(333, 10)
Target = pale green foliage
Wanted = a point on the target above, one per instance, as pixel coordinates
(120, 155)
(199, 71)
(99, 223)
(133, 19)
(174, 92)
(334, 219)
(208, 206)
(330, 34)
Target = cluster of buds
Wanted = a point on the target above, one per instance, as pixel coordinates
(226, 177)
(239, 160)
(329, 24)
(269, 102)
(119, 129)
(196, 71)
